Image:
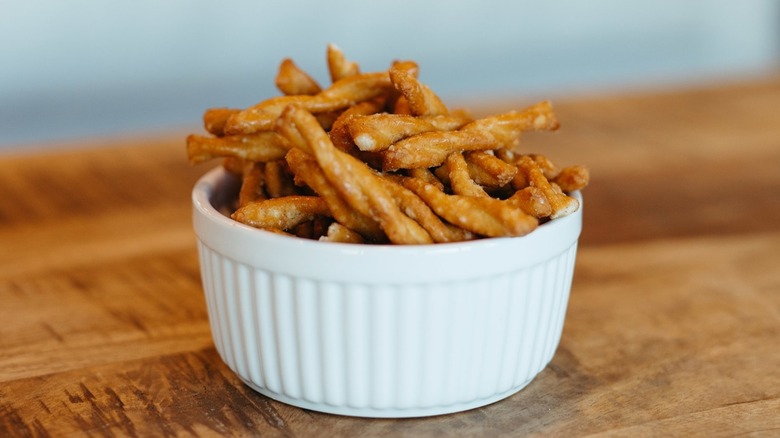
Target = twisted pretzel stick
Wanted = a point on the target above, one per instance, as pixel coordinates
(484, 216)
(377, 132)
(358, 185)
(503, 131)
(263, 146)
(308, 172)
(339, 66)
(421, 99)
(291, 80)
(561, 204)
(341, 94)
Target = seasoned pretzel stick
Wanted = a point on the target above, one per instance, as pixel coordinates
(488, 170)
(235, 165)
(263, 146)
(355, 181)
(342, 234)
(417, 209)
(313, 229)
(460, 180)
(281, 213)
(427, 176)
(399, 105)
(532, 201)
(308, 172)
(339, 66)
(278, 180)
(378, 132)
(252, 179)
(291, 80)
(572, 178)
(484, 216)
(339, 133)
(546, 165)
(421, 99)
(561, 204)
(214, 120)
(340, 95)
(430, 149)
(548, 169)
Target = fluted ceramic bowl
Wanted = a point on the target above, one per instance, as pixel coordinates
(381, 330)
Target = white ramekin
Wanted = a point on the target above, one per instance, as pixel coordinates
(381, 330)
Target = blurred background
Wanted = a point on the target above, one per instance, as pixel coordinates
(85, 69)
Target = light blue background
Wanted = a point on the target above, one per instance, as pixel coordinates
(81, 69)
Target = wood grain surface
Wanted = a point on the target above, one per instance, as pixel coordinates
(673, 327)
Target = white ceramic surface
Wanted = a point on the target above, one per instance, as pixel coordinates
(382, 330)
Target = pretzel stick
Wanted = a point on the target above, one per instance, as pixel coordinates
(484, 216)
(378, 132)
(572, 178)
(355, 181)
(339, 133)
(342, 234)
(460, 180)
(561, 204)
(214, 120)
(252, 183)
(308, 172)
(339, 66)
(341, 94)
(532, 201)
(291, 80)
(263, 146)
(488, 170)
(430, 149)
(278, 180)
(421, 99)
(444, 177)
(427, 176)
(417, 209)
(281, 213)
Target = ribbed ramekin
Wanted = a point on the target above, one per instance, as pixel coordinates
(381, 330)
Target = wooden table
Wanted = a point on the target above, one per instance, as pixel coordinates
(673, 327)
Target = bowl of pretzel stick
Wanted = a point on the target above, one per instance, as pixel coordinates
(367, 251)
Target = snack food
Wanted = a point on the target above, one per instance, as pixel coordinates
(379, 158)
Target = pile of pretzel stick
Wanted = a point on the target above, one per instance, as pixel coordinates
(378, 158)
